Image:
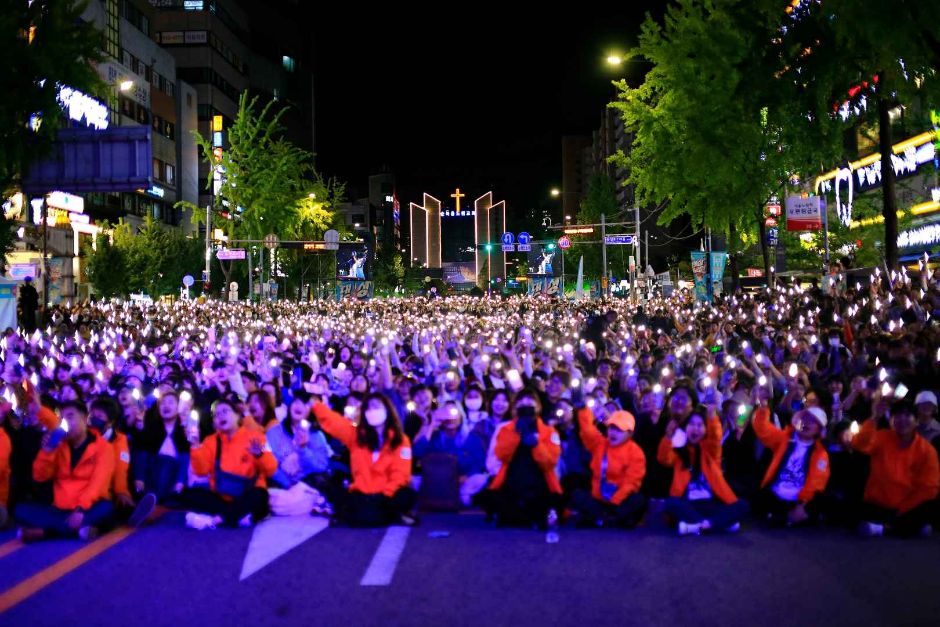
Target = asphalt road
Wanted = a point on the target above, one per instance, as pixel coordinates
(165, 574)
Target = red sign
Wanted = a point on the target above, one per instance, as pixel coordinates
(755, 272)
(805, 214)
(773, 209)
(564, 242)
(770, 221)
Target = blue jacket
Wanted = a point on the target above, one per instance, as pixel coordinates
(314, 458)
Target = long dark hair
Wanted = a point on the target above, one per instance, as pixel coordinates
(288, 423)
(367, 436)
(269, 415)
(690, 461)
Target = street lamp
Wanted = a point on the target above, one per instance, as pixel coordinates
(555, 192)
(126, 85)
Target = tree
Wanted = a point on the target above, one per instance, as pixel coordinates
(874, 56)
(601, 199)
(46, 45)
(106, 267)
(268, 185)
(389, 271)
(712, 134)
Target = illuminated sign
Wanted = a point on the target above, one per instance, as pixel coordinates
(156, 190)
(231, 254)
(315, 246)
(579, 230)
(805, 214)
(66, 202)
(83, 108)
(216, 123)
(458, 214)
(864, 174)
(927, 235)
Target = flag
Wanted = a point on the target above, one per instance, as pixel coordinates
(396, 208)
(580, 285)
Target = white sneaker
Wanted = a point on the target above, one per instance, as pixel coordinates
(199, 521)
(689, 529)
(246, 521)
(736, 527)
(870, 529)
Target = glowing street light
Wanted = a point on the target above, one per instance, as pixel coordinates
(126, 85)
(555, 192)
(614, 59)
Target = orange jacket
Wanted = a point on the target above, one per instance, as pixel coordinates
(545, 453)
(385, 473)
(47, 418)
(6, 448)
(626, 464)
(900, 478)
(778, 441)
(710, 450)
(82, 486)
(235, 457)
(121, 462)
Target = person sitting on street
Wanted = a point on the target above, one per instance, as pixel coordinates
(617, 469)
(300, 447)
(700, 499)
(103, 416)
(79, 462)
(799, 470)
(161, 453)
(902, 488)
(238, 462)
(526, 487)
(380, 460)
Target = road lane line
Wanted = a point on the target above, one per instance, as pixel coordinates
(28, 587)
(276, 536)
(11, 547)
(385, 560)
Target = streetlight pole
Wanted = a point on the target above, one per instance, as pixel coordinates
(604, 254)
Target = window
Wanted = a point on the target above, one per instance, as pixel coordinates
(170, 174)
(158, 169)
(288, 63)
(189, 101)
(143, 116)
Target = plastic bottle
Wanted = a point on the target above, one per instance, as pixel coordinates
(551, 521)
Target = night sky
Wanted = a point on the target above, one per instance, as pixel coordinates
(464, 100)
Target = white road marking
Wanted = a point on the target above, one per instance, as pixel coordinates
(385, 560)
(276, 536)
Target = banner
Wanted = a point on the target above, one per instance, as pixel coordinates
(580, 285)
(545, 286)
(700, 268)
(355, 290)
(805, 214)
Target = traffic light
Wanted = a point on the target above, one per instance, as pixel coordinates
(488, 248)
(551, 246)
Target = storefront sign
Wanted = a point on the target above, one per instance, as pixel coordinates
(66, 202)
(82, 108)
(805, 214)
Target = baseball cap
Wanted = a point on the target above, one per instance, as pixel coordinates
(926, 397)
(818, 414)
(623, 420)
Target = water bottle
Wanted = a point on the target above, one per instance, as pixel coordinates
(551, 536)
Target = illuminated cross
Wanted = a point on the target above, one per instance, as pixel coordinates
(458, 196)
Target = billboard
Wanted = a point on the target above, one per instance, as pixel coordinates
(544, 260)
(353, 262)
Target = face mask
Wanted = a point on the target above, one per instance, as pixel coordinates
(376, 417)
(474, 404)
(526, 411)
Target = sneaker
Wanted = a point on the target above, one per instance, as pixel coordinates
(689, 529)
(199, 521)
(870, 529)
(245, 522)
(143, 510)
(28, 535)
(88, 533)
(736, 527)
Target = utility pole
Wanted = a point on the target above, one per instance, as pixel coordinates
(208, 277)
(251, 274)
(45, 257)
(604, 285)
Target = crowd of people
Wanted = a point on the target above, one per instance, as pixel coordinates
(784, 407)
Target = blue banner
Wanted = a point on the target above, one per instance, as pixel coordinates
(700, 268)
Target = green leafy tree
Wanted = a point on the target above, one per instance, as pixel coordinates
(891, 49)
(268, 185)
(389, 271)
(106, 267)
(601, 199)
(713, 136)
(45, 44)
